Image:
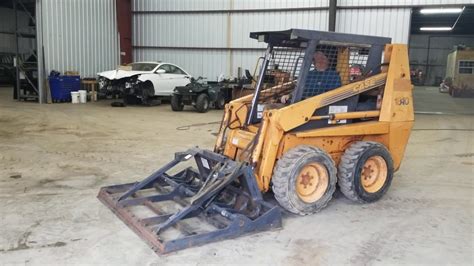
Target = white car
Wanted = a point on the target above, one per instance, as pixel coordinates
(143, 80)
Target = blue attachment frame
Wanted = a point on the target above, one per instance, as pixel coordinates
(248, 213)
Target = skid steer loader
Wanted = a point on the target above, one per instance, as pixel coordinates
(301, 138)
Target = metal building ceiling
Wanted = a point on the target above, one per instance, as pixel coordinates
(463, 23)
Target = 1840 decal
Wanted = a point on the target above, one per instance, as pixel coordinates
(402, 101)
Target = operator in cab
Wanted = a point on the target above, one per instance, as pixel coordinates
(320, 79)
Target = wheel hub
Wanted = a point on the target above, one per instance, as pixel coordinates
(374, 174)
(306, 179)
(312, 182)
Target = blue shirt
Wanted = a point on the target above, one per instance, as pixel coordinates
(318, 82)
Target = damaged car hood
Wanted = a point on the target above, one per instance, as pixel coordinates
(120, 74)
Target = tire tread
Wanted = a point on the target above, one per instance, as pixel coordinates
(282, 173)
(347, 168)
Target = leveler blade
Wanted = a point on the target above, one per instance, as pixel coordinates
(218, 200)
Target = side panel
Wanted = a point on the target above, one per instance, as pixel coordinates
(333, 145)
(398, 139)
(397, 103)
(395, 141)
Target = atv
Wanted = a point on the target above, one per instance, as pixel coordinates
(200, 95)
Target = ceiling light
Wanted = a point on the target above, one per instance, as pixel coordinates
(436, 28)
(440, 10)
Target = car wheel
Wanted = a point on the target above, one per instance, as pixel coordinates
(148, 92)
(202, 103)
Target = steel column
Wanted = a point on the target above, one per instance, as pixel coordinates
(124, 25)
(40, 50)
(17, 52)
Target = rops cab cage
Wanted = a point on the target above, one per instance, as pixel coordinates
(290, 57)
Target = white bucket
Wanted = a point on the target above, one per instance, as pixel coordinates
(83, 96)
(74, 96)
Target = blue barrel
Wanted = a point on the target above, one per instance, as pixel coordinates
(61, 87)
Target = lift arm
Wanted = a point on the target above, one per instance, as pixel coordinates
(299, 113)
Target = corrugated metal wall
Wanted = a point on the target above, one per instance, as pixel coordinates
(394, 22)
(180, 5)
(213, 43)
(80, 35)
(215, 39)
(7, 32)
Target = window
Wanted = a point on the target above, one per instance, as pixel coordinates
(166, 68)
(179, 71)
(143, 66)
(170, 69)
(466, 67)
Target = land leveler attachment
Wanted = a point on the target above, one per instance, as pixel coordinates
(217, 201)
(338, 112)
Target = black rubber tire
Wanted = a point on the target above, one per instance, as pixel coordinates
(220, 102)
(176, 103)
(202, 103)
(350, 169)
(130, 99)
(286, 171)
(148, 93)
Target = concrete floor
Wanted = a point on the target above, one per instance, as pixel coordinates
(54, 158)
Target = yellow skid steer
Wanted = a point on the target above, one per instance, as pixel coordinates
(341, 117)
